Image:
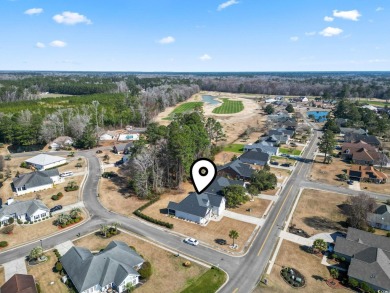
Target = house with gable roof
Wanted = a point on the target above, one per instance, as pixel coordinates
(29, 210)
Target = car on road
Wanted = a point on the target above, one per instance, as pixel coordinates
(56, 208)
(191, 241)
(99, 151)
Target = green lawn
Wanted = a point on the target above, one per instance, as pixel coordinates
(234, 147)
(289, 151)
(184, 108)
(374, 103)
(209, 282)
(229, 107)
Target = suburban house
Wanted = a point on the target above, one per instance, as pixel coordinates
(370, 107)
(346, 130)
(264, 146)
(44, 162)
(255, 157)
(35, 181)
(61, 142)
(236, 169)
(29, 210)
(370, 139)
(122, 148)
(109, 135)
(19, 283)
(128, 136)
(366, 174)
(369, 257)
(112, 268)
(276, 139)
(198, 208)
(362, 153)
(281, 131)
(341, 122)
(380, 218)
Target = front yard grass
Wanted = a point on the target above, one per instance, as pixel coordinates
(44, 275)
(291, 255)
(326, 173)
(257, 206)
(320, 211)
(214, 230)
(209, 282)
(290, 151)
(169, 274)
(234, 147)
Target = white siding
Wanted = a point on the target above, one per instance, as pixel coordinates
(35, 189)
(190, 217)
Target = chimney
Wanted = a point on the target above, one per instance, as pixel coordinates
(10, 201)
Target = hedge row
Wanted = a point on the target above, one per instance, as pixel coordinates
(139, 213)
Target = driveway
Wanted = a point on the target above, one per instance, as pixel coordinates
(355, 186)
(17, 266)
(243, 218)
(64, 247)
(67, 208)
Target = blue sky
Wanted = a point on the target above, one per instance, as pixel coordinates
(189, 35)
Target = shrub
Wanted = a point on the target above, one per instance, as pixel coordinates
(58, 266)
(371, 230)
(1, 175)
(60, 194)
(38, 288)
(146, 270)
(152, 220)
(11, 221)
(24, 165)
(388, 234)
(3, 243)
(19, 221)
(54, 197)
(25, 223)
(7, 229)
(353, 282)
(77, 220)
(187, 264)
(31, 222)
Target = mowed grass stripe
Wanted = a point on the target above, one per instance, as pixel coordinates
(184, 108)
(229, 107)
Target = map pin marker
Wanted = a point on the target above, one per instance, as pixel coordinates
(203, 173)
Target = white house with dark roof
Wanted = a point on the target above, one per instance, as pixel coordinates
(44, 161)
(113, 268)
(380, 218)
(61, 142)
(29, 210)
(35, 181)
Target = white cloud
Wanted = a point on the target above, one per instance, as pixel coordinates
(40, 45)
(331, 31)
(227, 4)
(378, 60)
(205, 57)
(58, 44)
(71, 18)
(328, 18)
(309, 34)
(33, 11)
(379, 9)
(167, 40)
(350, 14)
(294, 38)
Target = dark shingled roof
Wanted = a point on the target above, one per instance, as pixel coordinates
(197, 204)
(380, 215)
(112, 265)
(238, 167)
(370, 256)
(35, 179)
(370, 139)
(220, 183)
(19, 283)
(255, 156)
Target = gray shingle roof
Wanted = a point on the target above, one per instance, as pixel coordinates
(370, 255)
(380, 215)
(28, 207)
(197, 204)
(255, 156)
(112, 265)
(238, 167)
(35, 179)
(281, 131)
(219, 183)
(371, 139)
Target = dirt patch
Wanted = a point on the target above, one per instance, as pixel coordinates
(320, 211)
(291, 255)
(31, 232)
(234, 124)
(257, 207)
(114, 196)
(208, 234)
(44, 275)
(223, 158)
(327, 173)
(169, 274)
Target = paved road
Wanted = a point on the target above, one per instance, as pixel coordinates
(244, 272)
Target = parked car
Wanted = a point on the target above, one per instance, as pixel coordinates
(99, 151)
(191, 241)
(56, 208)
(221, 241)
(117, 163)
(286, 165)
(66, 174)
(293, 144)
(350, 182)
(274, 163)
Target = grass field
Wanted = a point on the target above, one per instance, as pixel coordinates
(229, 107)
(374, 103)
(184, 108)
(290, 151)
(209, 282)
(234, 147)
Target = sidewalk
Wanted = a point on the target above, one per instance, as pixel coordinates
(268, 197)
(244, 218)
